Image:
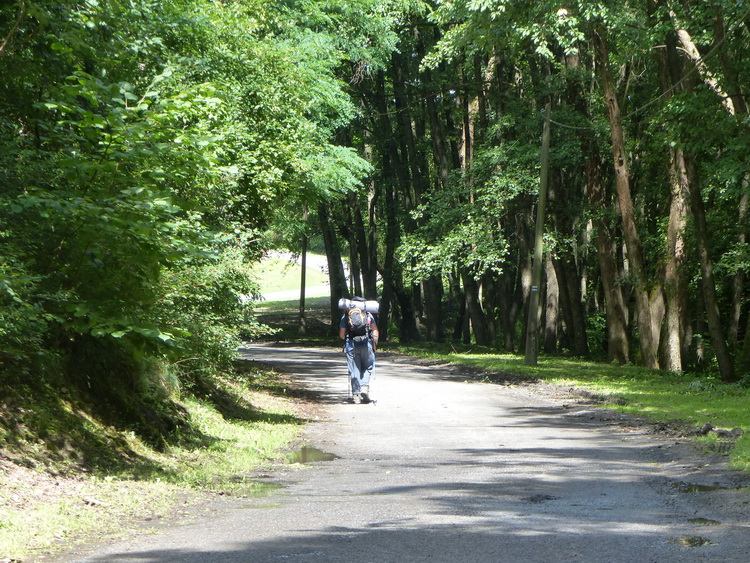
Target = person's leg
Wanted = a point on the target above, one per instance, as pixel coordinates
(366, 365)
(351, 362)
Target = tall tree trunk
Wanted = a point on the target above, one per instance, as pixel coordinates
(395, 174)
(519, 306)
(739, 102)
(715, 329)
(618, 348)
(552, 309)
(433, 301)
(302, 319)
(745, 358)
(718, 341)
(367, 266)
(474, 309)
(570, 295)
(700, 326)
(336, 275)
(406, 129)
(355, 272)
(738, 281)
(459, 299)
(675, 280)
(367, 234)
(648, 333)
(490, 294)
(506, 300)
(676, 346)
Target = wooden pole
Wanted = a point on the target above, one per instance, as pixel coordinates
(532, 324)
(302, 318)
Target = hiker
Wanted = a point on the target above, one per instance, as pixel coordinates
(360, 333)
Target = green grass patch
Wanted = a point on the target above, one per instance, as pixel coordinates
(314, 305)
(277, 274)
(660, 396)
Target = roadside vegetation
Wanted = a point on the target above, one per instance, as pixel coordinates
(89, 481)
(77, 467)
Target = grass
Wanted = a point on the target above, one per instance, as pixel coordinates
(249, 427)
(97, 509)
(662, 397)
(277, 274)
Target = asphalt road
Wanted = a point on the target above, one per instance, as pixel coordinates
(446, 468)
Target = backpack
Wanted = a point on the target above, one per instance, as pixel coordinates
(357, 322)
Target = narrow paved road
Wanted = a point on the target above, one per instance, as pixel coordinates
(443, 469)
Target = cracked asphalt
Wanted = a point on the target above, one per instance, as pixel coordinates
(448, 468)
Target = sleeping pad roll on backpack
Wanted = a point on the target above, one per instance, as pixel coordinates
(367, 306)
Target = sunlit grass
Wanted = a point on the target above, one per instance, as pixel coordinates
(291, 306)
(277, 274)
(97, 509)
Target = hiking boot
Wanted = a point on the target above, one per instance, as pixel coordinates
(365, 393)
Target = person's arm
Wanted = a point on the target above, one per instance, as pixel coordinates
(375, 336)
(342, 333)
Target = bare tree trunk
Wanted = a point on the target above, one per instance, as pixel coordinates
(524, 235)
(618, 348)
(745, 359)
(715, 329)
(454, 283)
(336, 275)
(552, 309)
(675, 281)
(302, 320)
(649, 338)
(433, 299)
(474, 309)
(508, 306)
(676, 345)
(738, 281)
(489, 302)
(733, 83)
(723, 358)
(355, 272)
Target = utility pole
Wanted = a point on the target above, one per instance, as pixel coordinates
(302, 318)
(532, 324)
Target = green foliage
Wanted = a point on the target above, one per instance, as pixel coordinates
(144, 147)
